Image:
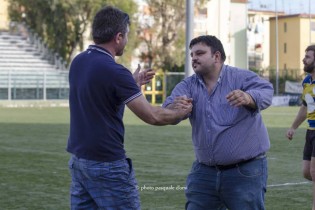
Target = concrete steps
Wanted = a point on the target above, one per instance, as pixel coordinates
(25, 74)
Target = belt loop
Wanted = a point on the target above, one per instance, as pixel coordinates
(261, 156)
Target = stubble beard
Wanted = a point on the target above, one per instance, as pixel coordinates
(309, 68)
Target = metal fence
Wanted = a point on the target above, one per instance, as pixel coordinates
(161, 86)
(38, 85)
(171, 79)
(48, 85)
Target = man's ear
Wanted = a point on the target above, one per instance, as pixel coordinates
(119, 36)
(217, 55)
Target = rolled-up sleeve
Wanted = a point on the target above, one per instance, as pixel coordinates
(180, 89)
(260, 90)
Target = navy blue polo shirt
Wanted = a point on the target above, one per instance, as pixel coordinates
(99, 90)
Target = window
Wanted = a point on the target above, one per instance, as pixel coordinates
(285, 27)
(285, 48)
(285, 66)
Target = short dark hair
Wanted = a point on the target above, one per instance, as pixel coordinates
(107, 23)
(213, 42)
(310, 48)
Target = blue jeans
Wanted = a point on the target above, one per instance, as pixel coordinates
(103, 185)
(239, 188)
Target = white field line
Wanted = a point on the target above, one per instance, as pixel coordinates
(288, 184)
(285, 113)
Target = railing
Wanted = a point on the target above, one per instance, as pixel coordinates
(43, 50)
(39, 85)
(161, 86)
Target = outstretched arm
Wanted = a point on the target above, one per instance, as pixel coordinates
(299, 119)
(180, 102)
(155, 115)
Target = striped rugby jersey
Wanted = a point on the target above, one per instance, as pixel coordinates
(308, 97)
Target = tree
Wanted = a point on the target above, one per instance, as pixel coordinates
(163, 34)
(62, 23)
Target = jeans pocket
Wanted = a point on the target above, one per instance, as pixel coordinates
(251, 169)
(120, 170)
(70, 163)
(129, 161)
(94, 170)
(195, 166)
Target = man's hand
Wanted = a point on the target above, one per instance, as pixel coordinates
(181, 102)
(143, 77)
(182, 105)
(240, 98)
(290, 133)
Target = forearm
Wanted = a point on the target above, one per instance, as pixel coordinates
(260, 90)
(301, 116)
(155, 115)
(297, 122)
(251, 102)
(262, 98)
(164, 116)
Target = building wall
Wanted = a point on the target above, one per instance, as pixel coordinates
(227, 21)
(295, 39)
(306, 38)
(218, 19)
(4, 22)
(290, 39)
(258, 37)
(238, 35)
(266, 42)
(273, 51)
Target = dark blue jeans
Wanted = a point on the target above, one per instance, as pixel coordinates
(239, 188)
(103, 185)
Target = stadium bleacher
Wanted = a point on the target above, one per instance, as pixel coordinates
(27, 73)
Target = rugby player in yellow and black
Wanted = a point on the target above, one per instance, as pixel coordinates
(307, 111)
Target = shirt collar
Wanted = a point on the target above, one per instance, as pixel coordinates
(100, 49)
(222, 72)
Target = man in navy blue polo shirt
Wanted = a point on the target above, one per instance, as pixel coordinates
(102, 175)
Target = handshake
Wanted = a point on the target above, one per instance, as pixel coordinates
(182, 102)
(183, 105)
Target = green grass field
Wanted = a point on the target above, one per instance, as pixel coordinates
(34, 173)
